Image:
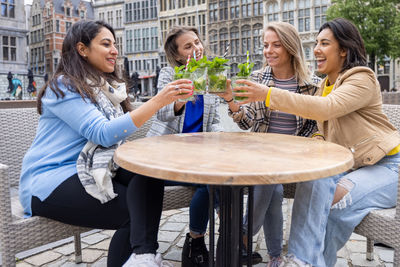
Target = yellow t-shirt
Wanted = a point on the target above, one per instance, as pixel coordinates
(328, 90)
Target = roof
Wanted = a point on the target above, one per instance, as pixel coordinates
(59, 8)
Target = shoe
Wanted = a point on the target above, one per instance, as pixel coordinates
(161, 262)
(255, 257)
(274, 261)
(293, 261)
(142, 260)
(194, 252)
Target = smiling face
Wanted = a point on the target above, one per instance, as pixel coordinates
(274, 52)
(330, 57)
(187, 43)
(101, 53)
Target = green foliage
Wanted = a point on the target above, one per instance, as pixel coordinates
(245, 69)
(378, 22)
(218, 63)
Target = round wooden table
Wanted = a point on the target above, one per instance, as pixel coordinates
(231, 161)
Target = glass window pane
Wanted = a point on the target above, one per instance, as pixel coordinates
(13, 41)
(13, 54)
(5, 53)
(4, 10)
(11, 11)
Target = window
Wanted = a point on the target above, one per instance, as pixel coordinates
(119, 18)
(246, 42)
(234, 41)
(146, 39)
(8, 8)
(101, 16)
(153, 9)
(55, 63)
(273, 11)
(128, 12)
(48, 26)
(257, 33)
(214, 41)
(110, 18)
(223, 40)
(67, 25)
(234, 5)
(246, 8)
(154, 38)
(47, 44)
(137, 36)
(320, 13)
(288, 12)
(57, 25)
(213, 12)
(129, 41)
(223, 10)
(304, 15)
(119, 45)
(82, 14)
(202, 25)
(258, 8)
(307, 52)
(9, 48)
(68, 12)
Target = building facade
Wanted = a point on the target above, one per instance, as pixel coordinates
(235, 27)
(13, 41)
(49, 22)
(141, 42)
(111, 12)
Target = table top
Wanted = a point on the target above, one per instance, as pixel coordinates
(227, 158)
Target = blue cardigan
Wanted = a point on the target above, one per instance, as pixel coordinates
(66, 124)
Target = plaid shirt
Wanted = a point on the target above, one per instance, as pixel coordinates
(257, 116)
(168, 122)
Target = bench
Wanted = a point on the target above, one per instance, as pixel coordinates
(18, 122)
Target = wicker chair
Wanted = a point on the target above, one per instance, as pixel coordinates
(18, 128)
(384, 225)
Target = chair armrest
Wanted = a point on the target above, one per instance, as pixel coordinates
(5, 199)
(397, 215)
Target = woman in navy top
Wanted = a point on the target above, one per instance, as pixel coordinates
(68, 173)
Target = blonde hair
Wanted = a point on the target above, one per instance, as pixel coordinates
(290, 40)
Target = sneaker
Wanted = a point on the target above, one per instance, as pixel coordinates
(255, 257)
(161, 262)
(274, 261)
(293, 261)
(142, 260)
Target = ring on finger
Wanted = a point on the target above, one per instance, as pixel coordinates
(177, 87)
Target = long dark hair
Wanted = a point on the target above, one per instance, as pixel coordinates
(171, 47)
(74, 69)
(350, 40)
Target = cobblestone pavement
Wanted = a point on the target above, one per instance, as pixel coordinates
(173, 228)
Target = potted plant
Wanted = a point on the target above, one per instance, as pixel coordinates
(243, 74)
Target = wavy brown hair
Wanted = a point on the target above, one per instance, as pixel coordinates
(74, 70)
(171, 47)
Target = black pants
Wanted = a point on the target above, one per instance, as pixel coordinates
(135, 213)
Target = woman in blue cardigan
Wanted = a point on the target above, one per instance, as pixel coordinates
(68, 173)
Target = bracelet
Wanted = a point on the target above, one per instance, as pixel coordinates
(317, 134)
(229, 101)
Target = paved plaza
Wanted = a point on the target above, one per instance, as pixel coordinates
(173, 228)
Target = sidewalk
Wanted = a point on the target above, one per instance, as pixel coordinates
(173, 228)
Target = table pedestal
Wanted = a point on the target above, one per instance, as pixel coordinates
(230, 240)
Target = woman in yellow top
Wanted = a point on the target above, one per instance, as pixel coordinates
(348, 111)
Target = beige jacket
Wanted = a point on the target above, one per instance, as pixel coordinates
(351, 115)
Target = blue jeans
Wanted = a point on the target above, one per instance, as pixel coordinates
(267, 212)
(198, 210)
(317, 231)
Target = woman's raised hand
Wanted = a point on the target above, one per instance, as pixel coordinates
(253, 91)
(175, 90)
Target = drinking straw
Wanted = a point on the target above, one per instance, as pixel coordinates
(248, 59)
(187, 62)
(226, 50)
(194, 55)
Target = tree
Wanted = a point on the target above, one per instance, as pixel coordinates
(378, 22)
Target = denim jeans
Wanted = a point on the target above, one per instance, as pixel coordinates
(198, 210)
(317, 231)
(267, 212)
